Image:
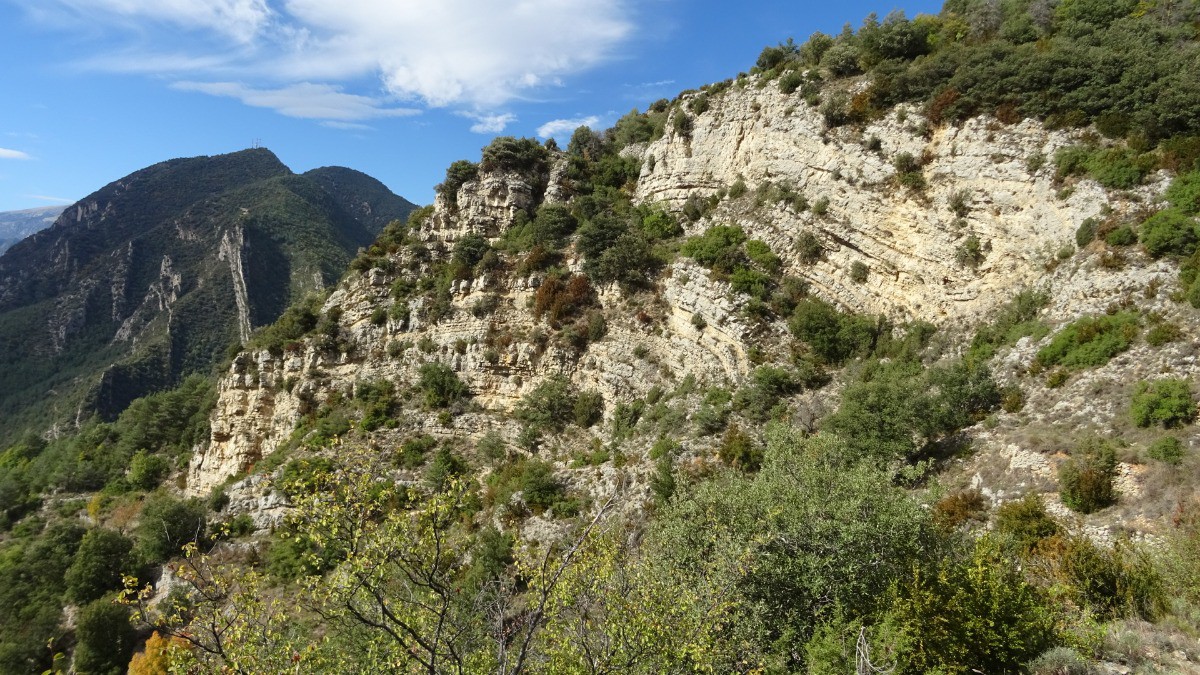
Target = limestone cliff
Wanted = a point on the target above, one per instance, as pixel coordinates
(984, 182)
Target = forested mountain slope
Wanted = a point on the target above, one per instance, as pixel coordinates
(155, 275)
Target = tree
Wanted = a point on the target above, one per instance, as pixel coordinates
(168, 524)
(102, 558)
(441, 385)
(805, 535)
(106, 639)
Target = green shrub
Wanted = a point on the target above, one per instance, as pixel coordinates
(540, 489)
(1086, 478)
(1122, 236)
(146, 471)
(457, 173)
(1169, 232)
(1168, 450)
(1163, 333)
(760, 254)
(970, 252)
(859, 272)
(440, 385)
(1090, 341)
(550, 406)
(719, 248)
(1117, 582)
(1168, 402)
(588, 409)
(809, 248)
(1026, 522)
(1184, 193)
(514, 154)
(974, 614)
(1086, 233)
(1012, 322)
(1060, 661)
(769, 387)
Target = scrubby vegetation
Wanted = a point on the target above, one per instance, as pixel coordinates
(746, 523)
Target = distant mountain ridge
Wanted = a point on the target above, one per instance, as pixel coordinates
(155, 275)
(16, 225)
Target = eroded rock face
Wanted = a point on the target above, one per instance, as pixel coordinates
(910, 240)
(983, 184)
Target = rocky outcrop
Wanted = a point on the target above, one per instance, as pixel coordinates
(995, 175)
(983, 182)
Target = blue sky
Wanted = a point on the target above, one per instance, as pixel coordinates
(95, 89)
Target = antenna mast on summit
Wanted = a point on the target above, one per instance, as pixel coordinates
(257, 143)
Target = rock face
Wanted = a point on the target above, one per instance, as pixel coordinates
(908, 239)
(985, 183)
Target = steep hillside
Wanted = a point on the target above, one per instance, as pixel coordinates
(156, 274)
(16, 225)
(878, 358)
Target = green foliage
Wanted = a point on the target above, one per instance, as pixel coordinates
(809, 248)
(1026, 522)
(1122, 236)
(1112, 582)
(859, 272)
(103, 556)
(506, 153)
(1169, 232)
(769, 387)
(830, 334)
(970, 252)
(739, 450)
(1184, 193)
(548, 407)
(1163, 333)
(1168, 450)
(793, 539)
(440, 385)
(33, 566)
(1086, 232)
(1086, 478)
(1012, 322)
(106, 638)
(883, 419)
(978, 613)
(719, 248)
(541, 490)
(1168, 402)
(168, 524)
(1090, 341)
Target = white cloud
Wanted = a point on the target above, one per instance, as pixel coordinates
(46, 198)
(304, 100)
(5, 153)
(479, 52)
(347, 126)
(489, 124)
(240, 20)
(471, 54)
(559, 127)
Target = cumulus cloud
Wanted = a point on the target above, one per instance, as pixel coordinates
(471, 54)
(5, 153)
(489, 124)
(304, 100)
(560, 127)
